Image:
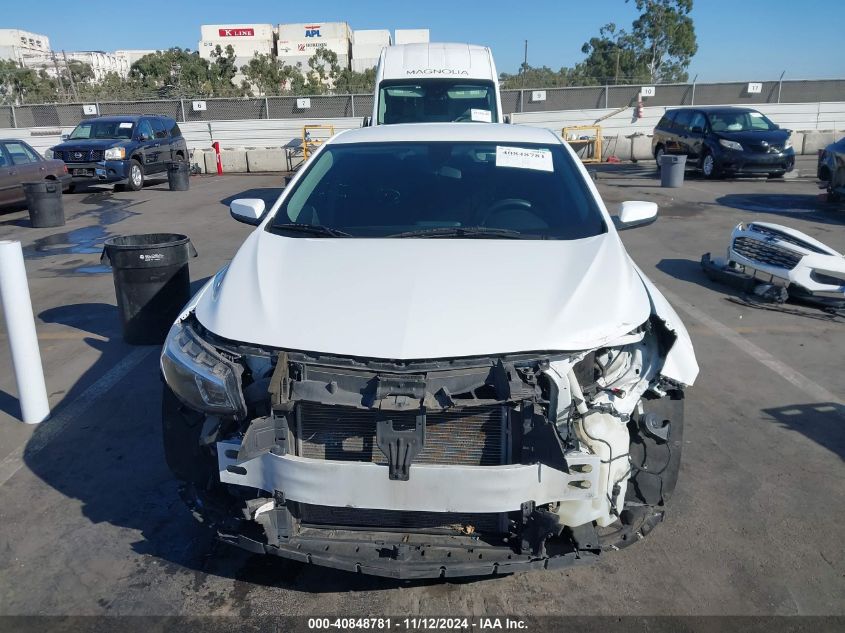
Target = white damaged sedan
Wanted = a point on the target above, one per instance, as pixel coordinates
(433, 357)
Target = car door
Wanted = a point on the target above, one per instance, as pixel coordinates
(27, 165)
(149, 146)
(8, 178)
(162, 138)
(680, 132)
(694, 141)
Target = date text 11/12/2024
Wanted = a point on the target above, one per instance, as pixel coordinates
(418, 624)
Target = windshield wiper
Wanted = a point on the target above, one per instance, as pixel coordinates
(314, 229)
(469, 231)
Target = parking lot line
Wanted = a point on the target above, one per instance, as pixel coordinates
(48, 430)
(809, 387)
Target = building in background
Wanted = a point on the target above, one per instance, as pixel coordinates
(297, 43)
(412, 36)
(23, 46)
(130, 56)
(366, 48)
(101, 62)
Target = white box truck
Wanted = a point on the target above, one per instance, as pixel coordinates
(436, 83)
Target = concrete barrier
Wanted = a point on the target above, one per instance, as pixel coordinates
(797, 139)
(641, 148)
(259, 160)
(233, 161)
(198, 158)
(814, 141)
(618, 146)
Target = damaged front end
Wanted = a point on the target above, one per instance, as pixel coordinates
(449, 467)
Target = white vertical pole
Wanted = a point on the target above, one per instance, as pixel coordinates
(20, 325)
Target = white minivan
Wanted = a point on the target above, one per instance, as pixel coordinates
(436, 83)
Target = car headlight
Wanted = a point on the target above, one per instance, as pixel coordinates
(788, 143)
(730, 144)
(115, 153)
(199, 376)
(48, 154)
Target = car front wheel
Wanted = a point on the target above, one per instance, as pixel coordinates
(135, 178)
(658, 154)
(708, 166)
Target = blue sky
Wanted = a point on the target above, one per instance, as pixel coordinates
(738, 39)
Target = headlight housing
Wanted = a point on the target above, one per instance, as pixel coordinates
(788, 143)
(115, 153)
(730, 144)
(199, 376)
(48, 154)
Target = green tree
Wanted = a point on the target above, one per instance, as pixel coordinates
(352, 82)
(222, 71)
(531, 77)
(658, 49)
(324, 71)
(666, 33)
(175, 72)
(268, 75)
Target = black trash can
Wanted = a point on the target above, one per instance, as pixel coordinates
(672, 168)
(152, 282)
(44, 201)
(179, 176)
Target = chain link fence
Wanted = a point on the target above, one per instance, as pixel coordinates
(360, 105)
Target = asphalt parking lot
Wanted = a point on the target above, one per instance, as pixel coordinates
(91, 521)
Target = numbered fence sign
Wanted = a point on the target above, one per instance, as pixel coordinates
(648, 91)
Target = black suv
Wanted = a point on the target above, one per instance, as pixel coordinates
(724, 140)
(121, 148)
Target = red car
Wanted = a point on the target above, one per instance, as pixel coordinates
(19, 163)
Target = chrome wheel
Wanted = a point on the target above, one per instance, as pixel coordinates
(708, 165)
(136, 176)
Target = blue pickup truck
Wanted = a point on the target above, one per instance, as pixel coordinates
(120, 149)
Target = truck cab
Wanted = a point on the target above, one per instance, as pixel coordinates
(436, 83)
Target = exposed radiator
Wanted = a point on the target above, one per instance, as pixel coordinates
(473, 436)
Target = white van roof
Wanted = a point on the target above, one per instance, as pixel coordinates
(438, 60)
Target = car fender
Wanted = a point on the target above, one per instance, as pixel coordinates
(680, 364)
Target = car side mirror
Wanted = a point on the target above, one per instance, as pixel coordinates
(507, 118)
(65, 137)
(143, 137)
(634, 213)
(697, 130)
(247, 210)
(368, 121)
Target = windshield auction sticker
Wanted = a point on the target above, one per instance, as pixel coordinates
(522, 158)
(482, 116)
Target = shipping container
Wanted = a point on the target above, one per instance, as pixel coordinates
(381, 37)
(232, 32)
(411, 36)
(315, 30)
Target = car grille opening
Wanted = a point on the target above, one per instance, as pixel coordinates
(82, 155)
(472, 436)
(764, 253)
(785, 237)
(435, 522)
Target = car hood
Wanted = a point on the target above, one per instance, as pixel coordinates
(90, 143)
(775, 137)
(425, 298)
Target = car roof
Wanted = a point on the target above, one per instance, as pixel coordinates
(125, 117)
(415, 132)
(713, 109)
(437, 60)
